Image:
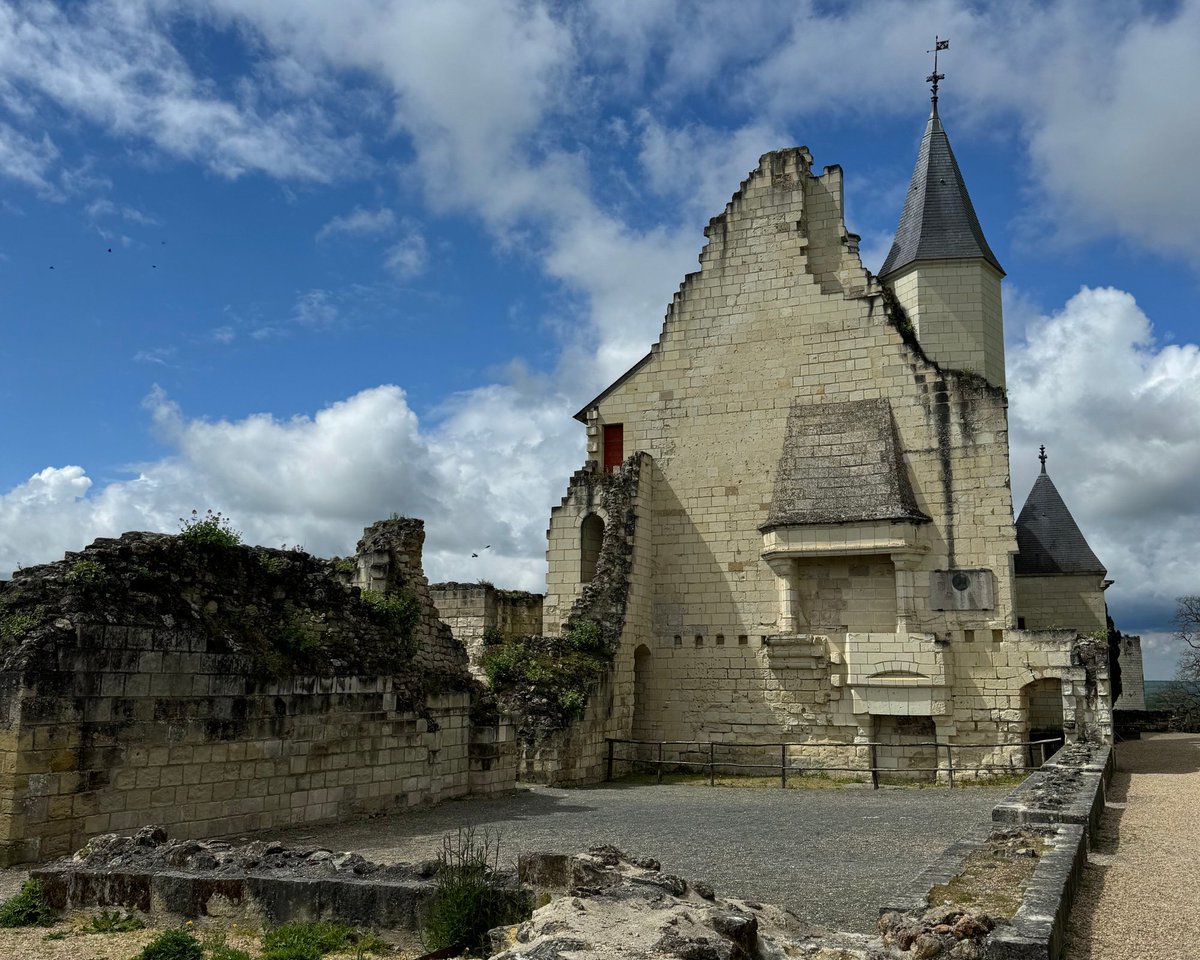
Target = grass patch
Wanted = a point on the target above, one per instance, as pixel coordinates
(470, 898)
(993, 877)
(27, 908)
(311, 941)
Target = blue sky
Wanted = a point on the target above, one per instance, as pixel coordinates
(370, 256)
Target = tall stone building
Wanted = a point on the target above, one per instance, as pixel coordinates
(816, 539)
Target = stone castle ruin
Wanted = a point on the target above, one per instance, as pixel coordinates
(227, 689)
(794, 525)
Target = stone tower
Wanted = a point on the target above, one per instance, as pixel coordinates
(941, 268)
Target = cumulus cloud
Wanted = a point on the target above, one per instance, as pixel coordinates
(1119, 413)
(485, 472)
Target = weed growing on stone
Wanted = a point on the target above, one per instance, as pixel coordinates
(27, 908)
(549, 678)
(112, 921)
(172, 945)
(210, 530)
(399, 610)
(13, 625)
(86, 573)
(470, 897)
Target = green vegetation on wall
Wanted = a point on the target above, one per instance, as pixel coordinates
(550, 677)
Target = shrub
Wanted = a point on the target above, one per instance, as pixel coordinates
(210, 530)
(172, 945)
(586, 637)
(470, 899)
(27, 908)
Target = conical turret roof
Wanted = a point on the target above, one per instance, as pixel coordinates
(1048, 539)
(939, 221)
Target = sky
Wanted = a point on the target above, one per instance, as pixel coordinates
(313, 263)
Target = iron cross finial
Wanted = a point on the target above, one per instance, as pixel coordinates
(933, 78)
(1042, 456)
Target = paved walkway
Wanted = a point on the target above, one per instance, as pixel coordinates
(833, 855)
(1140, 896)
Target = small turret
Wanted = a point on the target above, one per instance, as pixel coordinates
(941, 268)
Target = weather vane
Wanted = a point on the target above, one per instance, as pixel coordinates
(938, 44)
(1042, 457)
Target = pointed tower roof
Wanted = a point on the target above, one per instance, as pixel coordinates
(1048, 539)
(938, 222)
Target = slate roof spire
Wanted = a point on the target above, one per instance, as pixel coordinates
(939, 221)
(1048, 539)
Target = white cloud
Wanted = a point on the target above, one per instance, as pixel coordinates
(107, 208)
(1119, 414)
(485, 473)
(359, 223)
(26, 160)
(408, 257)
(315, 309)
(113, 64)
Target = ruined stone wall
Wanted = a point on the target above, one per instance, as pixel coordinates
(618, 599)
(781, 312)
(1056, 602)
(469, 609)
(222, 690)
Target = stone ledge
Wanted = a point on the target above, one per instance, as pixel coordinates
(1067, 793)
(375, 903)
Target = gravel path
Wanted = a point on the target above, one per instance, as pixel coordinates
(831, 855)
(1140, 895)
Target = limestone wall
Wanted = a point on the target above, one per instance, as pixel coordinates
(143, 726)
(469, 609)
(225, 689)
(1133, 681)
(782, 312)
(1056, 602)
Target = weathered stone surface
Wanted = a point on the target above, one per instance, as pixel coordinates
(617, 906)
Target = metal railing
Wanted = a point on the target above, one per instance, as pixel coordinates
(786, 765)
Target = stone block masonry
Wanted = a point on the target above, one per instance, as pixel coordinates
(222, 690)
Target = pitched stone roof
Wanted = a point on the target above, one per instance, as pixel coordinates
(939, 221)
(841, 464)
(1048, 539)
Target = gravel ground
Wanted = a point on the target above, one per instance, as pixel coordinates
(831, 855)
(1140, 895)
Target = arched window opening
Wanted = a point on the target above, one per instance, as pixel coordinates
(591, 537)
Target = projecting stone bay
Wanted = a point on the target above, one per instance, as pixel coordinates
(833, 856)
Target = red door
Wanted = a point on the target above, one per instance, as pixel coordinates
(614, 446)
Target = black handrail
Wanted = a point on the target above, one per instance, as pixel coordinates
(784, 767)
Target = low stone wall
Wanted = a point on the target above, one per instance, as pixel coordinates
(1065, 796)
(258, 884)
